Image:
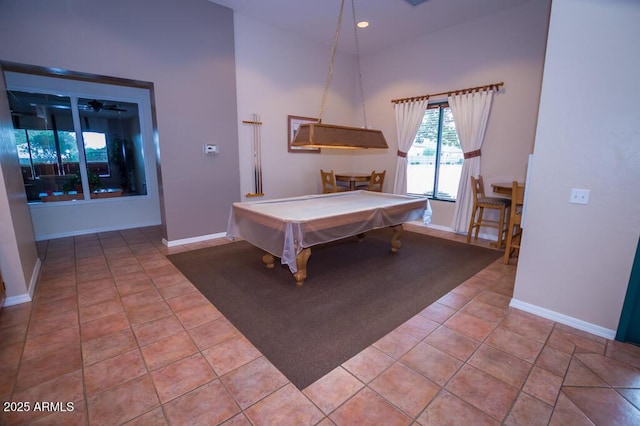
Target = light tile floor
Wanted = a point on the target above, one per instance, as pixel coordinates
(117, 335)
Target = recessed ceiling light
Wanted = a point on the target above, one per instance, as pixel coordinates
(362, 24)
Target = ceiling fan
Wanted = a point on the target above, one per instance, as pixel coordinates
(97, 106)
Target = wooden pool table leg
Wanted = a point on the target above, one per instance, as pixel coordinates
(301, 263)
(269, 260)
(395, 239)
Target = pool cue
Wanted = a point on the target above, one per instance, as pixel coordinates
(257, 156)
(259, 153)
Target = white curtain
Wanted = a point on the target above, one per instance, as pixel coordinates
(470, 113)
(408, 119)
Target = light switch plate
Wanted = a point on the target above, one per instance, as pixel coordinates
(579, 196)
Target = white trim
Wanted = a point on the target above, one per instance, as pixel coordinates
(35, 205)
(193, 239)
(94, 231)
(421, 224)
(450, 229)
(26, 297)
(563, 319)
(440, 227)
(16, 300)
(34, 278)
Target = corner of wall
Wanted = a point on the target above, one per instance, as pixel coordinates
(563, 319)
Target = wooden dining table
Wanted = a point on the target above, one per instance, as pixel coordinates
(504, 188)
(352, 179)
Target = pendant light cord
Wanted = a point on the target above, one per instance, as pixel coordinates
(331, 59)
(355, 32)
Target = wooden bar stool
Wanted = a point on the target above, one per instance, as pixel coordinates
(481, 202)
(514, 231)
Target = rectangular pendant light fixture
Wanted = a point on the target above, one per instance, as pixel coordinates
(318, 135)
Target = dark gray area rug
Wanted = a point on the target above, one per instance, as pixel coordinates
(356, 292)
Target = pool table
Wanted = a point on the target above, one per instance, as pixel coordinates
(288, 227)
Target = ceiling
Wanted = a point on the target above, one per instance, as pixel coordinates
(392, 21)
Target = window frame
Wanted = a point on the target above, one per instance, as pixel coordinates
(76, 90)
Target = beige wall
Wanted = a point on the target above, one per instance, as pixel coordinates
(186, 49)
(18, 255)
(576, 260)
(507, 46)
(278, 75)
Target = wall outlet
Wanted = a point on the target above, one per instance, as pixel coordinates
(579, 196)
(210, 148)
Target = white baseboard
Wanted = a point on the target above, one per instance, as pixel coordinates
(193, 239)
(440, 228)
(430, 225)
(17, 300)
(28, 296)
(201, 238)
(563, 319)
(450, 229)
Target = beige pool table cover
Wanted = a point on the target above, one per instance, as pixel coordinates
(283, 227)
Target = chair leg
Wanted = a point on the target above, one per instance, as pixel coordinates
(471, 223)
(507, 218)
(479, 220)
(500, 228)
(507, 251)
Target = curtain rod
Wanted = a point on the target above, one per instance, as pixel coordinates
(449, 93)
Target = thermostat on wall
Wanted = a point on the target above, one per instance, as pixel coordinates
(210, 148)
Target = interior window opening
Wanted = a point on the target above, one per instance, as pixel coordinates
(69, 147)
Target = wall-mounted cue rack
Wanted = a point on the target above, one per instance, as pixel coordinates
(257, 156)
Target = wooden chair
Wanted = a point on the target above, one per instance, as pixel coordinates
(514, 231)
(377, 181)
(481, 202)
(329, 183)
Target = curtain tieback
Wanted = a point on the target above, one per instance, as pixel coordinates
(472, 154)
(402, 154)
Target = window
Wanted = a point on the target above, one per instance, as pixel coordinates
(59, 163)
(435, 158)
(95, 151)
